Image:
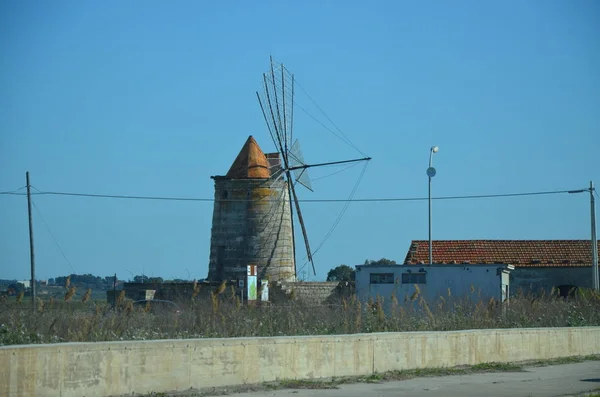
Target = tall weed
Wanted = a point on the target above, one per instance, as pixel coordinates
(223, 315)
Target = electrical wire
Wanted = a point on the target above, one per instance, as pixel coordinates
(53, 238)
(354, 200)
(351, 199)
(14, 192)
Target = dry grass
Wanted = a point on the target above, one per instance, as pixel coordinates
(223, 315)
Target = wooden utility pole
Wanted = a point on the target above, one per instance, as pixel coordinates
(115, 291)
(31, 251)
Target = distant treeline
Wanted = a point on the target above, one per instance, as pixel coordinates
(94, 282)
(84, 281)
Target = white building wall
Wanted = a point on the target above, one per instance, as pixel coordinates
(487, 281)
(26, 283)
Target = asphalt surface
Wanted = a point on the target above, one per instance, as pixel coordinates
(551, 381)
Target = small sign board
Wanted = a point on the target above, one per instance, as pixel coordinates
(252, 288)
(252, 283)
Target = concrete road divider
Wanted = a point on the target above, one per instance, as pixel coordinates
(119, 368)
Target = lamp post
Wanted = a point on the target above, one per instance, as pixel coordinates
(431, 173)
(594, 241)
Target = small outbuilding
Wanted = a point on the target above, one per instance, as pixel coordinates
(480, 281)
(540, 265)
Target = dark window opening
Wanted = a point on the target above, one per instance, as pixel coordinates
(224, 195)
(220, 262)
(414, 278)
(382, 278)
(565, 291)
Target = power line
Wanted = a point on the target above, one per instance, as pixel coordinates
(52, 235)
(14, 192)
(309, 200)
(363, 200)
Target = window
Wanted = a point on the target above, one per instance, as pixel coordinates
(220, 262)
(414, 278)
(382, 278)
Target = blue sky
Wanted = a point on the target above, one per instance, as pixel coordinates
(154, 97)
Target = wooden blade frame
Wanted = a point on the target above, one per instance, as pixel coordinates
(276, 118)
(279, 134)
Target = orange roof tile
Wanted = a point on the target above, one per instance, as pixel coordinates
(520, 253)
(250, 163)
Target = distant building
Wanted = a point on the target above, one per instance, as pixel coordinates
(26, 283)
(478, 281)
(539, 264)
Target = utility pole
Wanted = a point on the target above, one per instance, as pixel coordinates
(115, 291)
(31, 251)
(594, 239)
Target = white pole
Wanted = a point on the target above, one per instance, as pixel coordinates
(430, 248)
(430, 174)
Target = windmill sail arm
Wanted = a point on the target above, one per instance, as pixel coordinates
(302, 226)
(304, 166)
(262, 108)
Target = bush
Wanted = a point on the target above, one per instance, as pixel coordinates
(224, 316)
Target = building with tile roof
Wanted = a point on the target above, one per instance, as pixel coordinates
(538, 264)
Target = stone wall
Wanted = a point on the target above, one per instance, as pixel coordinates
(251, 226)
(312, 293)
(280, 292)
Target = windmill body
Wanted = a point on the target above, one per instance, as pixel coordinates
(256, 201)
(252, 223)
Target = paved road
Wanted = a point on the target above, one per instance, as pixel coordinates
(552, 381)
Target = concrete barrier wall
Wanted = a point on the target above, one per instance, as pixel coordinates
(118, 368)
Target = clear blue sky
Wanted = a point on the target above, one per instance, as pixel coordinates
(154, 97)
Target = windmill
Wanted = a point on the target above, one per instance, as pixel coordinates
(276, 101)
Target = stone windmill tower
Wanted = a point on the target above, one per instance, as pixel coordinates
(252, 223)
(255, 202)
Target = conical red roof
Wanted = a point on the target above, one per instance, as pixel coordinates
(251, 162)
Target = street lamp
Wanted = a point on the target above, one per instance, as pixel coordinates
(596, 282)
(431, 173)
